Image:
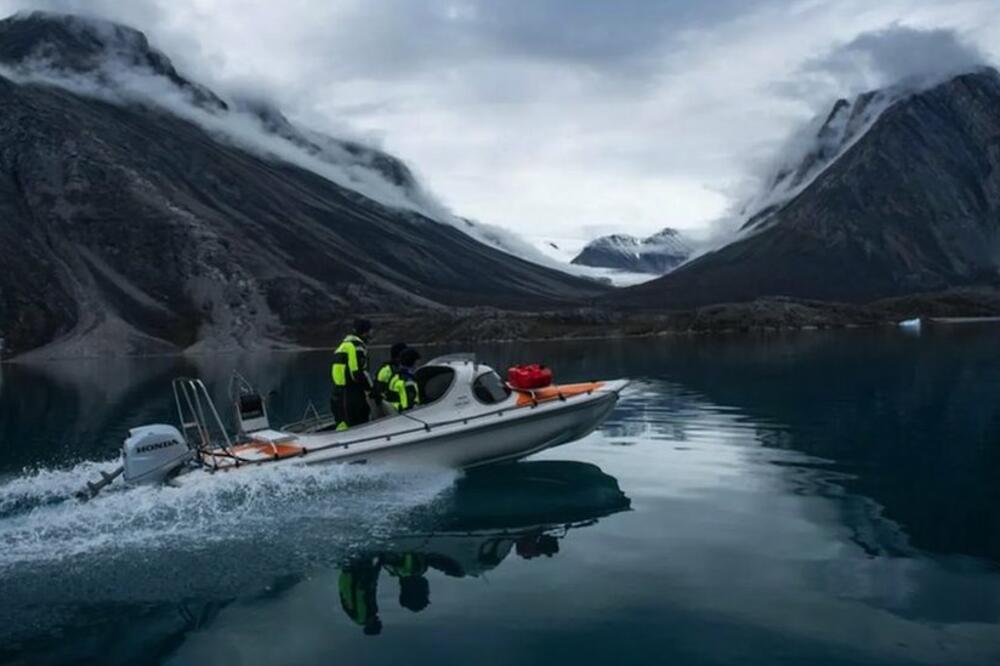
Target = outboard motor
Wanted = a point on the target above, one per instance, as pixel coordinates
(152, 453)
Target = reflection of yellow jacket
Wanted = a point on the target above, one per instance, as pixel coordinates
(358, 590)
(403, 391)
(406, 565)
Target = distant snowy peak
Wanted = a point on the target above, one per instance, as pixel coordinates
(622, 244)
(659, 253)
(669, 242)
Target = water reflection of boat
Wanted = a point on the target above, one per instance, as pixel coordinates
(524, 508)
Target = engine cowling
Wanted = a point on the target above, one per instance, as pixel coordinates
(151, 453)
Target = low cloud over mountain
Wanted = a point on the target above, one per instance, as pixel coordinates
(900, 201)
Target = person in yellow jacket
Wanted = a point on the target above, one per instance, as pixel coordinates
(403, 392)
(386, 371)
(351, 381)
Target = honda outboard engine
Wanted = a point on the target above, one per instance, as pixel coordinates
(152, 453)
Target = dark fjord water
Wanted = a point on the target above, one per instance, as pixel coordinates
(817, 498)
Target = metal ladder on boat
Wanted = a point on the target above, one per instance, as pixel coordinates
(200, 421)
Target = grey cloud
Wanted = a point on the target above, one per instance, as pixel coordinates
(897, 55)
(144, 13)
(551, 115)
(393, 39)
(590, 31)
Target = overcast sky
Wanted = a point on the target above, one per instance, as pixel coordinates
(563, 118)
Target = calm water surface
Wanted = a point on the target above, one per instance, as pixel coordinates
(817, 498)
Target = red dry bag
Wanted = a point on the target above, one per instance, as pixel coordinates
(531, 376)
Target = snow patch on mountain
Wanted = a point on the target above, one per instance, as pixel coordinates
(550, 252)
(810, 151)
(657, 254)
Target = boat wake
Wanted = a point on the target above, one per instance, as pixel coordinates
(40, 487)
(41, 521)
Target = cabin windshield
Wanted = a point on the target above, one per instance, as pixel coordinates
(490, 389)
(433, 382)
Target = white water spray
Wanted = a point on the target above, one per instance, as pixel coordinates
(42, 521)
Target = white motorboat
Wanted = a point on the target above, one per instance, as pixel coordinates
(468, 417)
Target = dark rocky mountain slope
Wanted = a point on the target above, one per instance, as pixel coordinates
(912, 204)
(659, 253)
(125, 227)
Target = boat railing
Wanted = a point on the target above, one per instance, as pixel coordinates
(311, 421)
(199, 419)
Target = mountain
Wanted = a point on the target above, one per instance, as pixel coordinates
(903, 201)
(659, 253)
(811, 151)
(142, 212)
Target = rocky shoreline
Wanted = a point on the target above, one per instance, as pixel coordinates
(482, 325)
(766, 314)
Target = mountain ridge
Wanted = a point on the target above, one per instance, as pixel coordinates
(911, 206)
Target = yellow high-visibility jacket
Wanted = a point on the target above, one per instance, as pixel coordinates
(403, 391)
(350, 363)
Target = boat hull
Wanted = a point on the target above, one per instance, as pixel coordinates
(502, 440)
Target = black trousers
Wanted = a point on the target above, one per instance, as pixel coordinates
(350, 405)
